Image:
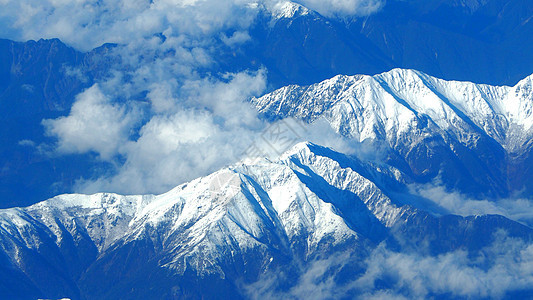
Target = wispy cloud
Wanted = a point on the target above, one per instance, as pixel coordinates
(86, 24)
(515, 208)
(505, 266)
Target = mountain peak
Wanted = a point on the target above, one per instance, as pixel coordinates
(288, 10)
(299, 148)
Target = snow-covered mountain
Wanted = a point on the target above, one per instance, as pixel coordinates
(312, 223)
(221, 234)
(472, 137)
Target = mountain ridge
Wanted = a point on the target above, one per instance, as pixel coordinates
(427, 126)
(307, 204)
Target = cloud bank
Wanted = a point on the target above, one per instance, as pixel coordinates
(502, 268)
(514, 208)
(506, 266)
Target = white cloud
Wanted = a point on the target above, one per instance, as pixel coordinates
(94, 124)
(162, 96)
(207, 127)
(493, 272)
(505, 266)
(237, 38)
(170, 149)
(86, 24)
(26, 143)
(514, 208)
